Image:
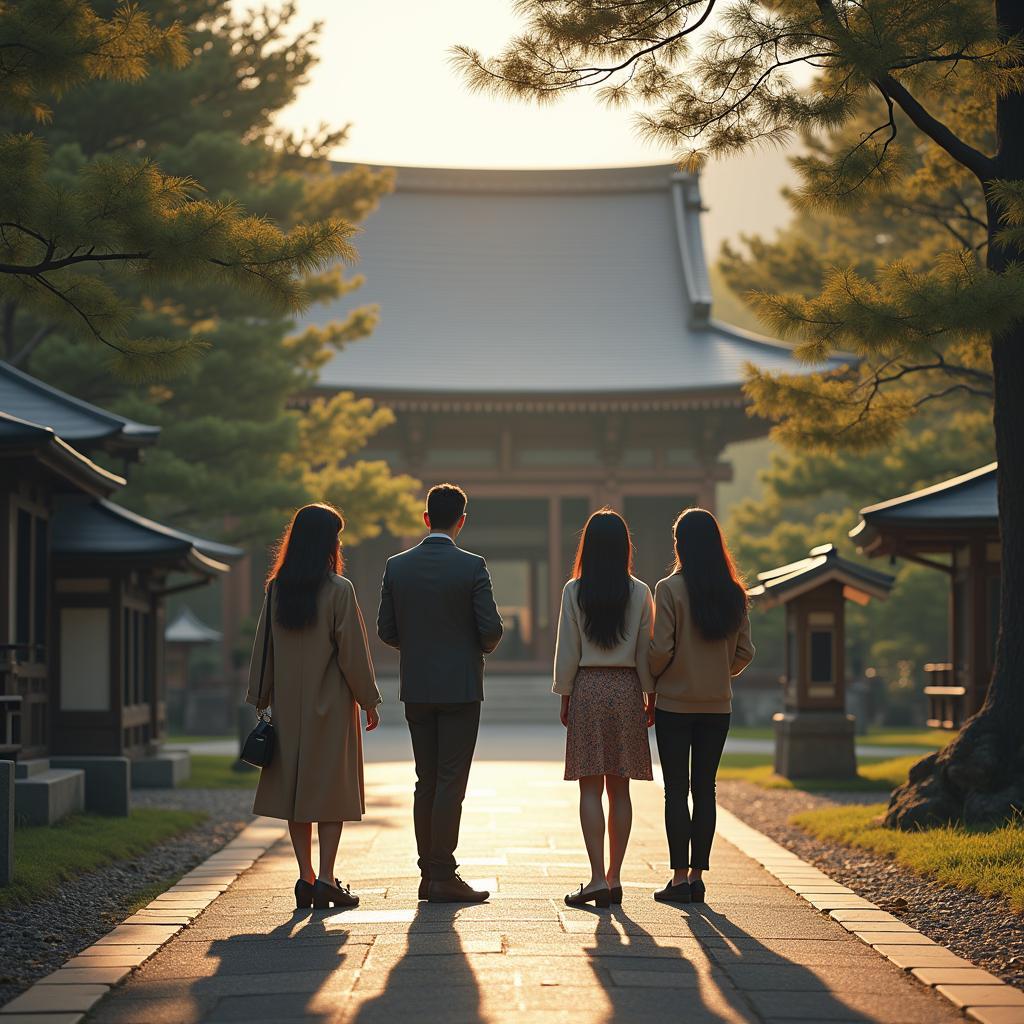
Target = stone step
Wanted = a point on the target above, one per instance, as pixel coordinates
(165, 770)
(33, 766)
(45, 797)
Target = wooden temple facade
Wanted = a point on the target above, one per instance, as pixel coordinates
(546, 340)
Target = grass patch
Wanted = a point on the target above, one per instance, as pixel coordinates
(887, 736)
(990, 862)
(216, 771)
(45, 855)
(179, 738)
(872, 775)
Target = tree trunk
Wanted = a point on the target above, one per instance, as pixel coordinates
(979, 778)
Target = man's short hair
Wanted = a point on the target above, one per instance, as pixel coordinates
(445, 505)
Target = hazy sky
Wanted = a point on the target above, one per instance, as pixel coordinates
(384, 69)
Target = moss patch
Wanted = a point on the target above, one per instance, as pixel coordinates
(46, 855)
(990, 861)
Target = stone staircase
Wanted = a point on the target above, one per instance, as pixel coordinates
(507, 698)
(44, 795)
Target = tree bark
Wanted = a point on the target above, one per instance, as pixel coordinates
(979, 778)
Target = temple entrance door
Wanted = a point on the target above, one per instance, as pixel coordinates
(512, 534)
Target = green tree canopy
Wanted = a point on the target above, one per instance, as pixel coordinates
(710, 78)
(244, 437)
(71, 233)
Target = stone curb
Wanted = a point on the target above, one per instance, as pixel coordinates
(982, 996)
(66, 995)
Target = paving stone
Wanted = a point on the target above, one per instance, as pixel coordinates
(996, 1014)
(54, 999)
(982, 995)
(86, 976)
(954, 976)
(43, 1018)
(909, 957)
(897, 938)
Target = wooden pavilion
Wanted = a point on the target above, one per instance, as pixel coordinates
(82, 581)
(952, 527)
(546, 340)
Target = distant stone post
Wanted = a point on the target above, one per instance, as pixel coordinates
(6, 822)
(814, 736)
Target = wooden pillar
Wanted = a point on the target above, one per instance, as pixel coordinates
(556, 568)
(980, 657)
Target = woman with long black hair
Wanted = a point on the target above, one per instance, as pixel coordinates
(701, 640)
(601, 672)
(311, 661)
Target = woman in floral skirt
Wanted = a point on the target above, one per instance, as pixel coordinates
(601, 672)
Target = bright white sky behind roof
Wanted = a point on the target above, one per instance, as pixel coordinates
(384, 69)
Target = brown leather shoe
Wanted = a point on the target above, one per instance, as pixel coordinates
(455, 890)
(424, 890)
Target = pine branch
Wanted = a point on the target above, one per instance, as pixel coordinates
(980, 165)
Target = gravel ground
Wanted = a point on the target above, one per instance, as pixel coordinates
(38, 937)
(979, 928)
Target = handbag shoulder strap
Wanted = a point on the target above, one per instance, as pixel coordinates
(266, 641)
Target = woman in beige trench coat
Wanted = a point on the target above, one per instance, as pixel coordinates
(316, 675)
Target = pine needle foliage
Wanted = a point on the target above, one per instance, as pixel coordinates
(68, 240)
(225, 373)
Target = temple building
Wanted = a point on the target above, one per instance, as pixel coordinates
(83, 583)
(546, 340)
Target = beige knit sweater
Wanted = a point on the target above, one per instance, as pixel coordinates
(692, 674)
(574, 650)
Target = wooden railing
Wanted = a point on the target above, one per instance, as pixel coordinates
(946, 700)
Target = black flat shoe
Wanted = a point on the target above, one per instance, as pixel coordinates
(697, 891)
(615, 894)
(599, 897)
(423, 893)
(303, 894)
(674, 893)
(340, 895)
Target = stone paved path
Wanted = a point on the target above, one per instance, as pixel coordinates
(755, 952)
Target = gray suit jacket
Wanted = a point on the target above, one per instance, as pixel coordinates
(437, 609)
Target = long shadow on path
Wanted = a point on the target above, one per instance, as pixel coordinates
(704, 976)
(429, 979)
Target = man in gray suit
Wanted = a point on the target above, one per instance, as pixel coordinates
(438, 611)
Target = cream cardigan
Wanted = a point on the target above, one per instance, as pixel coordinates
(574, 650)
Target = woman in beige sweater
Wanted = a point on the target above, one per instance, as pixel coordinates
(601, 673)
(701, 640)
(311, 662)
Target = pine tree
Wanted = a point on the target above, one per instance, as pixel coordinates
(711, 79)
(243, 441)
(71, 234)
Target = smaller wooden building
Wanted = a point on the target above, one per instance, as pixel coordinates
(952, 527)
(814, 736)
(82, 581)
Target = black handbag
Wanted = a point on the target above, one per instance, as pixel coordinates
(258, 748)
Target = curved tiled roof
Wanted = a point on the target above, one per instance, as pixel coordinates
(77, 422)
(540, 283)
(101, 529)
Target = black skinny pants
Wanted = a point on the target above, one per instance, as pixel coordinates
(681, 735)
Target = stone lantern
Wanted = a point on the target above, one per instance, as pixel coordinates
(814, 736)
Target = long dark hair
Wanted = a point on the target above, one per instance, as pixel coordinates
(604, 567)
(718, 598)
(307, 553)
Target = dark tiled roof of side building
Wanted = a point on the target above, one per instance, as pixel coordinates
(78, 422)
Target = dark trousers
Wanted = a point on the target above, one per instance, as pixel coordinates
(443, 741)
(690, 748)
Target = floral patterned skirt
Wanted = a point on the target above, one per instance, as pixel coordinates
(607, 733)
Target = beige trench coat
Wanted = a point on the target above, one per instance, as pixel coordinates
(316, 680)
